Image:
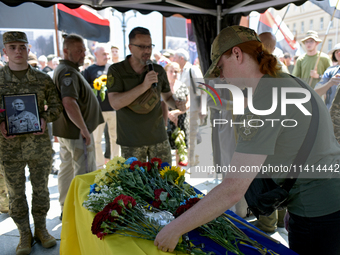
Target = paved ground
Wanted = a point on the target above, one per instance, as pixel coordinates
(9, 235)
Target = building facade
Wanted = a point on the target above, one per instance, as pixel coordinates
(308, 16)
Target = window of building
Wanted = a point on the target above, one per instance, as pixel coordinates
(294, 28)
(331, 26)
(321, 23)
(330, 44)
(311, 24)
(302, 27)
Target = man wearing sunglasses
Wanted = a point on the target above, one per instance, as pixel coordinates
(140, 129)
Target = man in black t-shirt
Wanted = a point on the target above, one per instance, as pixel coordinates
(91, 73)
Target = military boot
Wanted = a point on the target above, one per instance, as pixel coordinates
(25, 244)
(42, 235)
(267, 223)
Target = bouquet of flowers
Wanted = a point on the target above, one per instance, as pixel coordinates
(133, 198)
(99, 85)
(130, 219)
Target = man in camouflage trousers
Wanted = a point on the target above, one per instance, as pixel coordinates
(32, 149)
(140, 135)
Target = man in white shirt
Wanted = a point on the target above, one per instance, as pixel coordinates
(182, 58)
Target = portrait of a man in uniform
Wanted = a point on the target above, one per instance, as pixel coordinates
(21, 119)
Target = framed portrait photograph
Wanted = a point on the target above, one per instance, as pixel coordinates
(22, 115)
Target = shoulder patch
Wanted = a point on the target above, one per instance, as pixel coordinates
(67, 74)
(250, 127)
(67, 81)
(110, 80)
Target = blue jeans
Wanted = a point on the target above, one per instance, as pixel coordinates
(315, 235)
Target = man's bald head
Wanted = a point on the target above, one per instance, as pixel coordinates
(268, 40)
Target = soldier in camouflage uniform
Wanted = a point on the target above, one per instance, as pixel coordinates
(22, 121)
(33, 149)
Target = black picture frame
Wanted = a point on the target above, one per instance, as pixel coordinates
(22, 114)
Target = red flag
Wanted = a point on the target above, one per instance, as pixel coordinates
(83, 21)
(284, 37)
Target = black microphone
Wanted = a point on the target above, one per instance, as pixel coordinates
(150, 65)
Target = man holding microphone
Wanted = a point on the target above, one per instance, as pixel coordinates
(134, 92)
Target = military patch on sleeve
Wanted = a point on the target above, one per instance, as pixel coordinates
(248, 125)
(67, 81)
(110, 80)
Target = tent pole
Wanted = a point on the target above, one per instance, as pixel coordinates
(56, 29)
(282, 19)
(219, 8)
(164, 33)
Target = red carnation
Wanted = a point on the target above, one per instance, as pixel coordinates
(126, 200)
(183, 208)
(157, 203)
(147, 166)
(158, 160)
(158, 192)
(180, 210)
(96, 224)
(132, 166)
(111, 207)
(101, 235)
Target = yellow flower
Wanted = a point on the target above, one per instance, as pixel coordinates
(102, 179)
(173, 173)
(103, 79)
(97, 84)
(114, 165)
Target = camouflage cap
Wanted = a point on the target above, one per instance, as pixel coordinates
(14, 36)
(229, 37)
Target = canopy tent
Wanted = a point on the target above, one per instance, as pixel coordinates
(170, 7)
(208, 16)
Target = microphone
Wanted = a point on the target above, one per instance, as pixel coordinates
(149, 63)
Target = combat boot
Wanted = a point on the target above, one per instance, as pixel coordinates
(42, 235)
(25, 244)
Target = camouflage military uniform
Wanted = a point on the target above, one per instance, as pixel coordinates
(28, 149)
(3, 195)
(158, 150)
(23, 122)
(335, 114)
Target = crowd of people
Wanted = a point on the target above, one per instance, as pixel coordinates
(140, 110)
(70, 110)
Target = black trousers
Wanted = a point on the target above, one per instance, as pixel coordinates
(315, 235)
